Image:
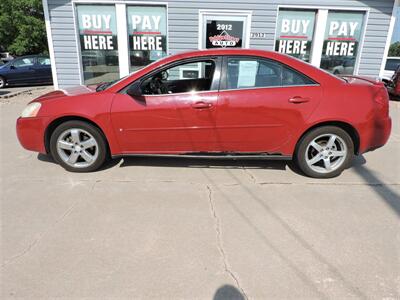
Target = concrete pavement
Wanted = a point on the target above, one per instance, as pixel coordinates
(178, 228)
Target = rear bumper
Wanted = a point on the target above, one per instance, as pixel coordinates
(376, 134)
(30, 133)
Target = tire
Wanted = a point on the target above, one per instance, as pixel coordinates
(78, 146)
(324, 152)
(2, 82)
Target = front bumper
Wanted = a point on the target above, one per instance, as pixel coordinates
(376, 134)
(31, 132)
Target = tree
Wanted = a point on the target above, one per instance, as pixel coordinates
(394, 49)
(22, 27)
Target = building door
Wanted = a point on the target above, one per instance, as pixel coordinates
(224, 29)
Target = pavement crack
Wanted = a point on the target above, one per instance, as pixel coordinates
(217, 226)
(94, 184)
(41, 236)
(252, 177)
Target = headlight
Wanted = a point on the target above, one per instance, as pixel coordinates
(31, 110)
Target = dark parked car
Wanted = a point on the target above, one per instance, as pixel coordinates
(31, 69)
(394, 84)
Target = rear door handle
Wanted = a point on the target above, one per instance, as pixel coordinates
(201, 105)
(298, 99)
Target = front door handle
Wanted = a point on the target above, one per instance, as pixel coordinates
(201, 105)
(298, 99)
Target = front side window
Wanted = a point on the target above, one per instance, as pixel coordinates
(259, 73)
(342, 41)
(147, 32)
(187, 77)
(98, 42)
(24, 62)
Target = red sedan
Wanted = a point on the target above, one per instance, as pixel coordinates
(214, 103)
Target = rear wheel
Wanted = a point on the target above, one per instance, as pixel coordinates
(78, 146)
(325, 152)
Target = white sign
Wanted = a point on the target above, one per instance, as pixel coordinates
(341, 39)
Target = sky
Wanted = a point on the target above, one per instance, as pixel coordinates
(396, 31)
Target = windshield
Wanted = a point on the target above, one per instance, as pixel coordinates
(106, 85)
(392, 64)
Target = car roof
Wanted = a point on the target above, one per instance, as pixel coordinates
(228, 51)
(32, 55)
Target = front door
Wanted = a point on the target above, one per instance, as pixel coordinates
(260, 103)
(175, 114)
(22, 71)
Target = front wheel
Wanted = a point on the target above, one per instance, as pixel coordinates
(325, 152)
(78, 146)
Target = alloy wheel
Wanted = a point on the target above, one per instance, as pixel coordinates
(77, 148)
(326, 153)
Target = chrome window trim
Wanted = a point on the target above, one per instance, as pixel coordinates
(270, 87)
(197, 93)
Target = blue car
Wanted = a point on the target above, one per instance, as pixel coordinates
(24, 70)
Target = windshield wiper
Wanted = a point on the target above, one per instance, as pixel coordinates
(104, 85)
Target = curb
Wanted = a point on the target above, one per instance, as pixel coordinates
(28, 90)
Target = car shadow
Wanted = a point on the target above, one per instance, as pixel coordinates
(202, 163)
(184, 162)
(49, 159)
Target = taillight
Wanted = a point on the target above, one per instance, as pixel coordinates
(382, 98)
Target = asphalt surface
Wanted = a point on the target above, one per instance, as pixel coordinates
(204, 229)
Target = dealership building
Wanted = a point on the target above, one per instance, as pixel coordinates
(95, 41)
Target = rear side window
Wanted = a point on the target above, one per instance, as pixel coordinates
(45, 61)
(392, 64)
(257, 73)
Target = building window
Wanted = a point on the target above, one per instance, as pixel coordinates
(341, 41)
(329, 39)
(98, 42)
(295, 32)
(147, 31)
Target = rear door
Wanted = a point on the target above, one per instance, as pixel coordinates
(262, 103)
(43, 69)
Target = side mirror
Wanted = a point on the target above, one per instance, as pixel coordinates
(12, 67)
(134, 90)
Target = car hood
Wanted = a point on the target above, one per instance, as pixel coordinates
(79, 90)
(73, 91)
